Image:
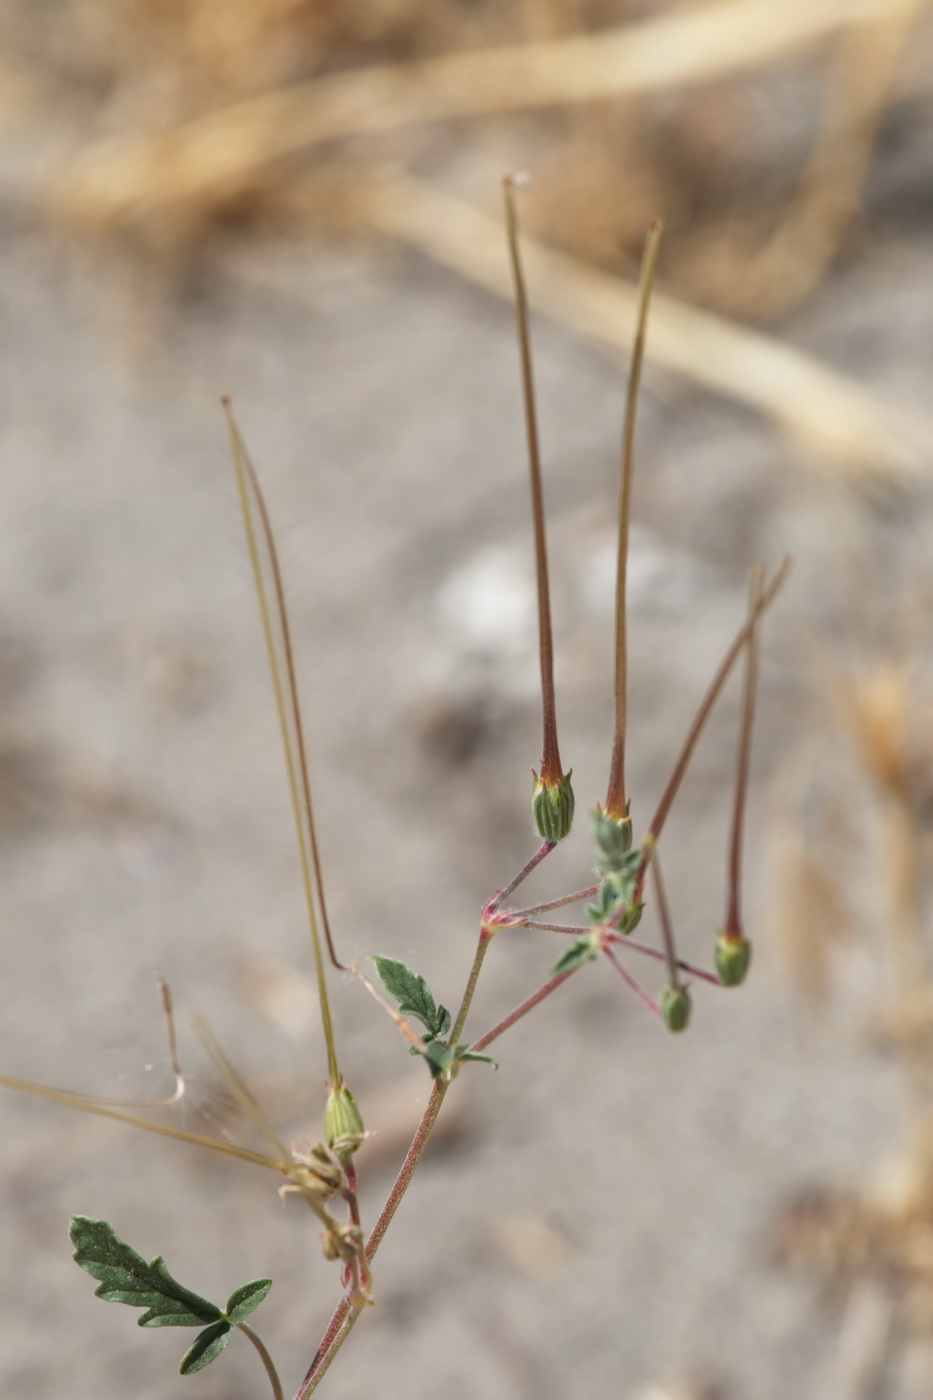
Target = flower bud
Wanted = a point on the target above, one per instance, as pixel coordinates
(612, 837)
(732, 957)
(552, 806)
(674, 1006)
(343, 1126)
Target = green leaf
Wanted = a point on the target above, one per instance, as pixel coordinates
(206, 1348)
(464, 1054)
(439, 1055)
(580, 951)
(445, 1060)
(412, 994)
(443, 1021)
(125, 1277)
(246, 1299)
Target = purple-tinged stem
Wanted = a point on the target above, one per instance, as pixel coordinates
(732, 928)
(667, 928)
(577, 929)
(519, 914)
(703, 713)
(523, 1008)
(625, 941)
(551, 771)
(492, 905)
(345, 1316)
(630, 981)
(353, 1205)
(616, 804)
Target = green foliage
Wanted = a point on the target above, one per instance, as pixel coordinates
(206, 1347)
(415, 999)
(612, 841)
(616, 901)
(413, 995)
(444, 1060)
(125, 1277)
(580, 951)
(246, 1299)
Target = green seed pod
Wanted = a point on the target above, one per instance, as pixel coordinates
(552, 807)
(343, 1126)
(612, 837)
(732, 957)
(675, 1008)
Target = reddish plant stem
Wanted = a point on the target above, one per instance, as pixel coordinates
(732, 927)
(555, 928)
(625, 941)
(667, 928)
(702, 715)
(519, 915)
(522, 1009)
(353, 1206)
(345, 1316)
(630, 981)
(492, 905)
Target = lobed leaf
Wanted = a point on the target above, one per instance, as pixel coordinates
(445, 1060)
(246, 1299)
(580, 951)
(125, 1277)
(206, 1347)
(412, 994)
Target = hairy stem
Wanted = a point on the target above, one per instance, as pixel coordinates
(485, 938)
(522, 1009)
(265, 1358)
(630, 981)
(543, 850)
(345, 1316)
(519, 915)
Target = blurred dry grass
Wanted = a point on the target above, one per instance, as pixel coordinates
(851, 897)
(748, 126)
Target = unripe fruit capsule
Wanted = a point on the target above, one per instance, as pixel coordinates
(343, 1126)
(552, 807)
(732, 957)
(675, 1008)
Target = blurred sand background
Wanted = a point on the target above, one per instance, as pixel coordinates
(286, 201)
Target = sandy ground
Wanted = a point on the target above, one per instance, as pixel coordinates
(601, 1217)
